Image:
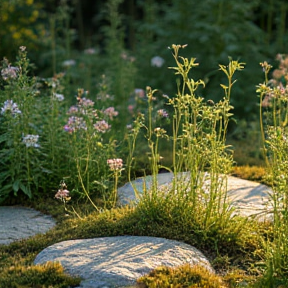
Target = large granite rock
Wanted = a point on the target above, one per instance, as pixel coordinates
(118, 261)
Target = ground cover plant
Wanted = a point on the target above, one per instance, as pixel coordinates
(76, 148)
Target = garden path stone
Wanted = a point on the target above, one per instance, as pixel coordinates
(18, 222)
(248, 197)
(118, 261)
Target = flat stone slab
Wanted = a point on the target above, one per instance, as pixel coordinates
(118, 261)
(248, 197)
(18, 222)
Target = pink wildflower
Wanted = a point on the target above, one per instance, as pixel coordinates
(84, 102)
(102, 126)
(162, 113)
(63, 195)
(75, 123)
(131, 108)
(115, 164)
(73, 110)
(110, 112)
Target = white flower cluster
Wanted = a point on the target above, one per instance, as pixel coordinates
(90, 51)
(31, 140)
(157, 61)
(59, 97)
(69, 63)
(9, 73)
(10, 106)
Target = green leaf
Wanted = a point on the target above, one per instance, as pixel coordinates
(4, 137)
(25, 189)
(16, 186)
(4, 175)
(5, 189)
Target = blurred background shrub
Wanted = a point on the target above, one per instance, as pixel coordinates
(117, 46)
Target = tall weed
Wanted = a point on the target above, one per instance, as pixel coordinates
(274, 119)
(200, 157)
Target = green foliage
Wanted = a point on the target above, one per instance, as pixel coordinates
(44, 276)
(253, 173)
(21, 22)
(118, 29)
(18, 256)
(38, 149)
(198, 138)
(273, 112)
(245, 138)
(241, 249)
(181, 277)
(213, 37)
(18, 159)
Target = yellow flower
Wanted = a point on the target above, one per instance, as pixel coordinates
(29, 2)
(34, 15)
(16, 35)
(4, 17)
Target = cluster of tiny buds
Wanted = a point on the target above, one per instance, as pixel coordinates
(115, 164)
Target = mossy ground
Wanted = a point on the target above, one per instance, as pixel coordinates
(236, 257)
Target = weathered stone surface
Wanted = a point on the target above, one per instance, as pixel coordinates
(18, 222)
(119, 261)
(248, 197)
